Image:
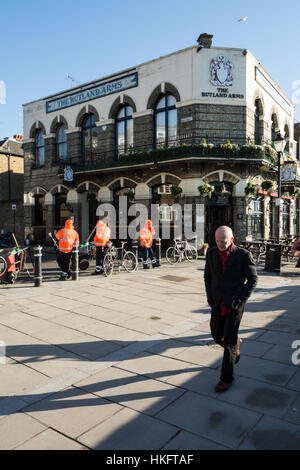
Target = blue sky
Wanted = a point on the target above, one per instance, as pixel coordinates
(42, 41)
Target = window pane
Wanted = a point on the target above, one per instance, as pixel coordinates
(41, 156)
(86, 139)
(129, 133)
(121, 113)
(62, 151)
(160, 119)
(61, 134)
(171, 100)
(121, 134)
(172, 124)
(95, 138)
(128, 111)
(40, 139)
(89, 122)
(161, 103)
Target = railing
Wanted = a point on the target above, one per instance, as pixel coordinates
(187, 145)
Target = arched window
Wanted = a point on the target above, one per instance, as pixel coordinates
(124, 130)
(61, 143)
(274, 127)
(165, 121)
(89, 138)
(39, 148)
(258, 134)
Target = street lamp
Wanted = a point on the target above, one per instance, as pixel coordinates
(279, 144)
(273, 251)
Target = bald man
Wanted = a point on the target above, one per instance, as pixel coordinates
(230, 277)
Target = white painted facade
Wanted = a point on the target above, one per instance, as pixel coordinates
(189, 72)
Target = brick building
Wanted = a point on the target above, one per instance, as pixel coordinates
(12, 186)
(202, 114)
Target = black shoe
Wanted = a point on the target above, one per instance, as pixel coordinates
(96, 273)
(69, 274)
(146, 267)
(63, 278)
(222, 387)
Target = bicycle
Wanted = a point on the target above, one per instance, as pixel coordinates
(181, 249)
(119, 257)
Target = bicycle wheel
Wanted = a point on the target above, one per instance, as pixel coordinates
(172, 255)
(191, 254)
(108, 265)
(129, 261)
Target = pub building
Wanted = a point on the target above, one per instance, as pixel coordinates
(156, 133)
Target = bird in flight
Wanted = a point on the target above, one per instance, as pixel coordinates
(244, 18)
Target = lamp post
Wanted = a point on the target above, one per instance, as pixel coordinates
(273, 250)
(279, 144)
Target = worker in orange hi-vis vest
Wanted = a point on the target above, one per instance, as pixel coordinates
(146, 239)
(101, 239)
(67, 237)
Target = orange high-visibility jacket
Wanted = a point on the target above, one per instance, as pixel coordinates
(67, 237)
(102, 234)
(146, 235)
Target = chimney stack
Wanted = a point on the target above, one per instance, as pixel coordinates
(205, 40)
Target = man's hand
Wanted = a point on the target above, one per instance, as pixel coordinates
(297, 254)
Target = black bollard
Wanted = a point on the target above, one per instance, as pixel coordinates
(75, 263)
(38, 266)
(158, 250)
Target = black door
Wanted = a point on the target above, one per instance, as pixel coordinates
(215, 217)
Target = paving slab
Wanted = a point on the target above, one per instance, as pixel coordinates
(72, 411)
(198, 379)
(279, 337)
(154, 366)
(129, 430)
(254, 348)
(133, 391)
(50, 440)
(267, 371)
(169, 348)
(203, 355)
(90, 347)
(292, 414)
(294, 382)
(282, 354)
(261, 397)
(272, 434)
(16, 378)
(17, 428)
(216, 421)
(188, 441)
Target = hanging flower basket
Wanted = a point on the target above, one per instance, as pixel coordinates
(129, 194)
(205, 190)
(176, 191)
(296, 193)
(251, 190)
(267, 185)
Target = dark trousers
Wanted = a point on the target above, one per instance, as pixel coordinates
(148, 253)
(63, 261)
(100, 252)
(224, 330)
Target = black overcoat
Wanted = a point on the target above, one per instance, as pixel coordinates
(235, 285)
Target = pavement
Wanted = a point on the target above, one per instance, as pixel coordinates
(128, 362)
